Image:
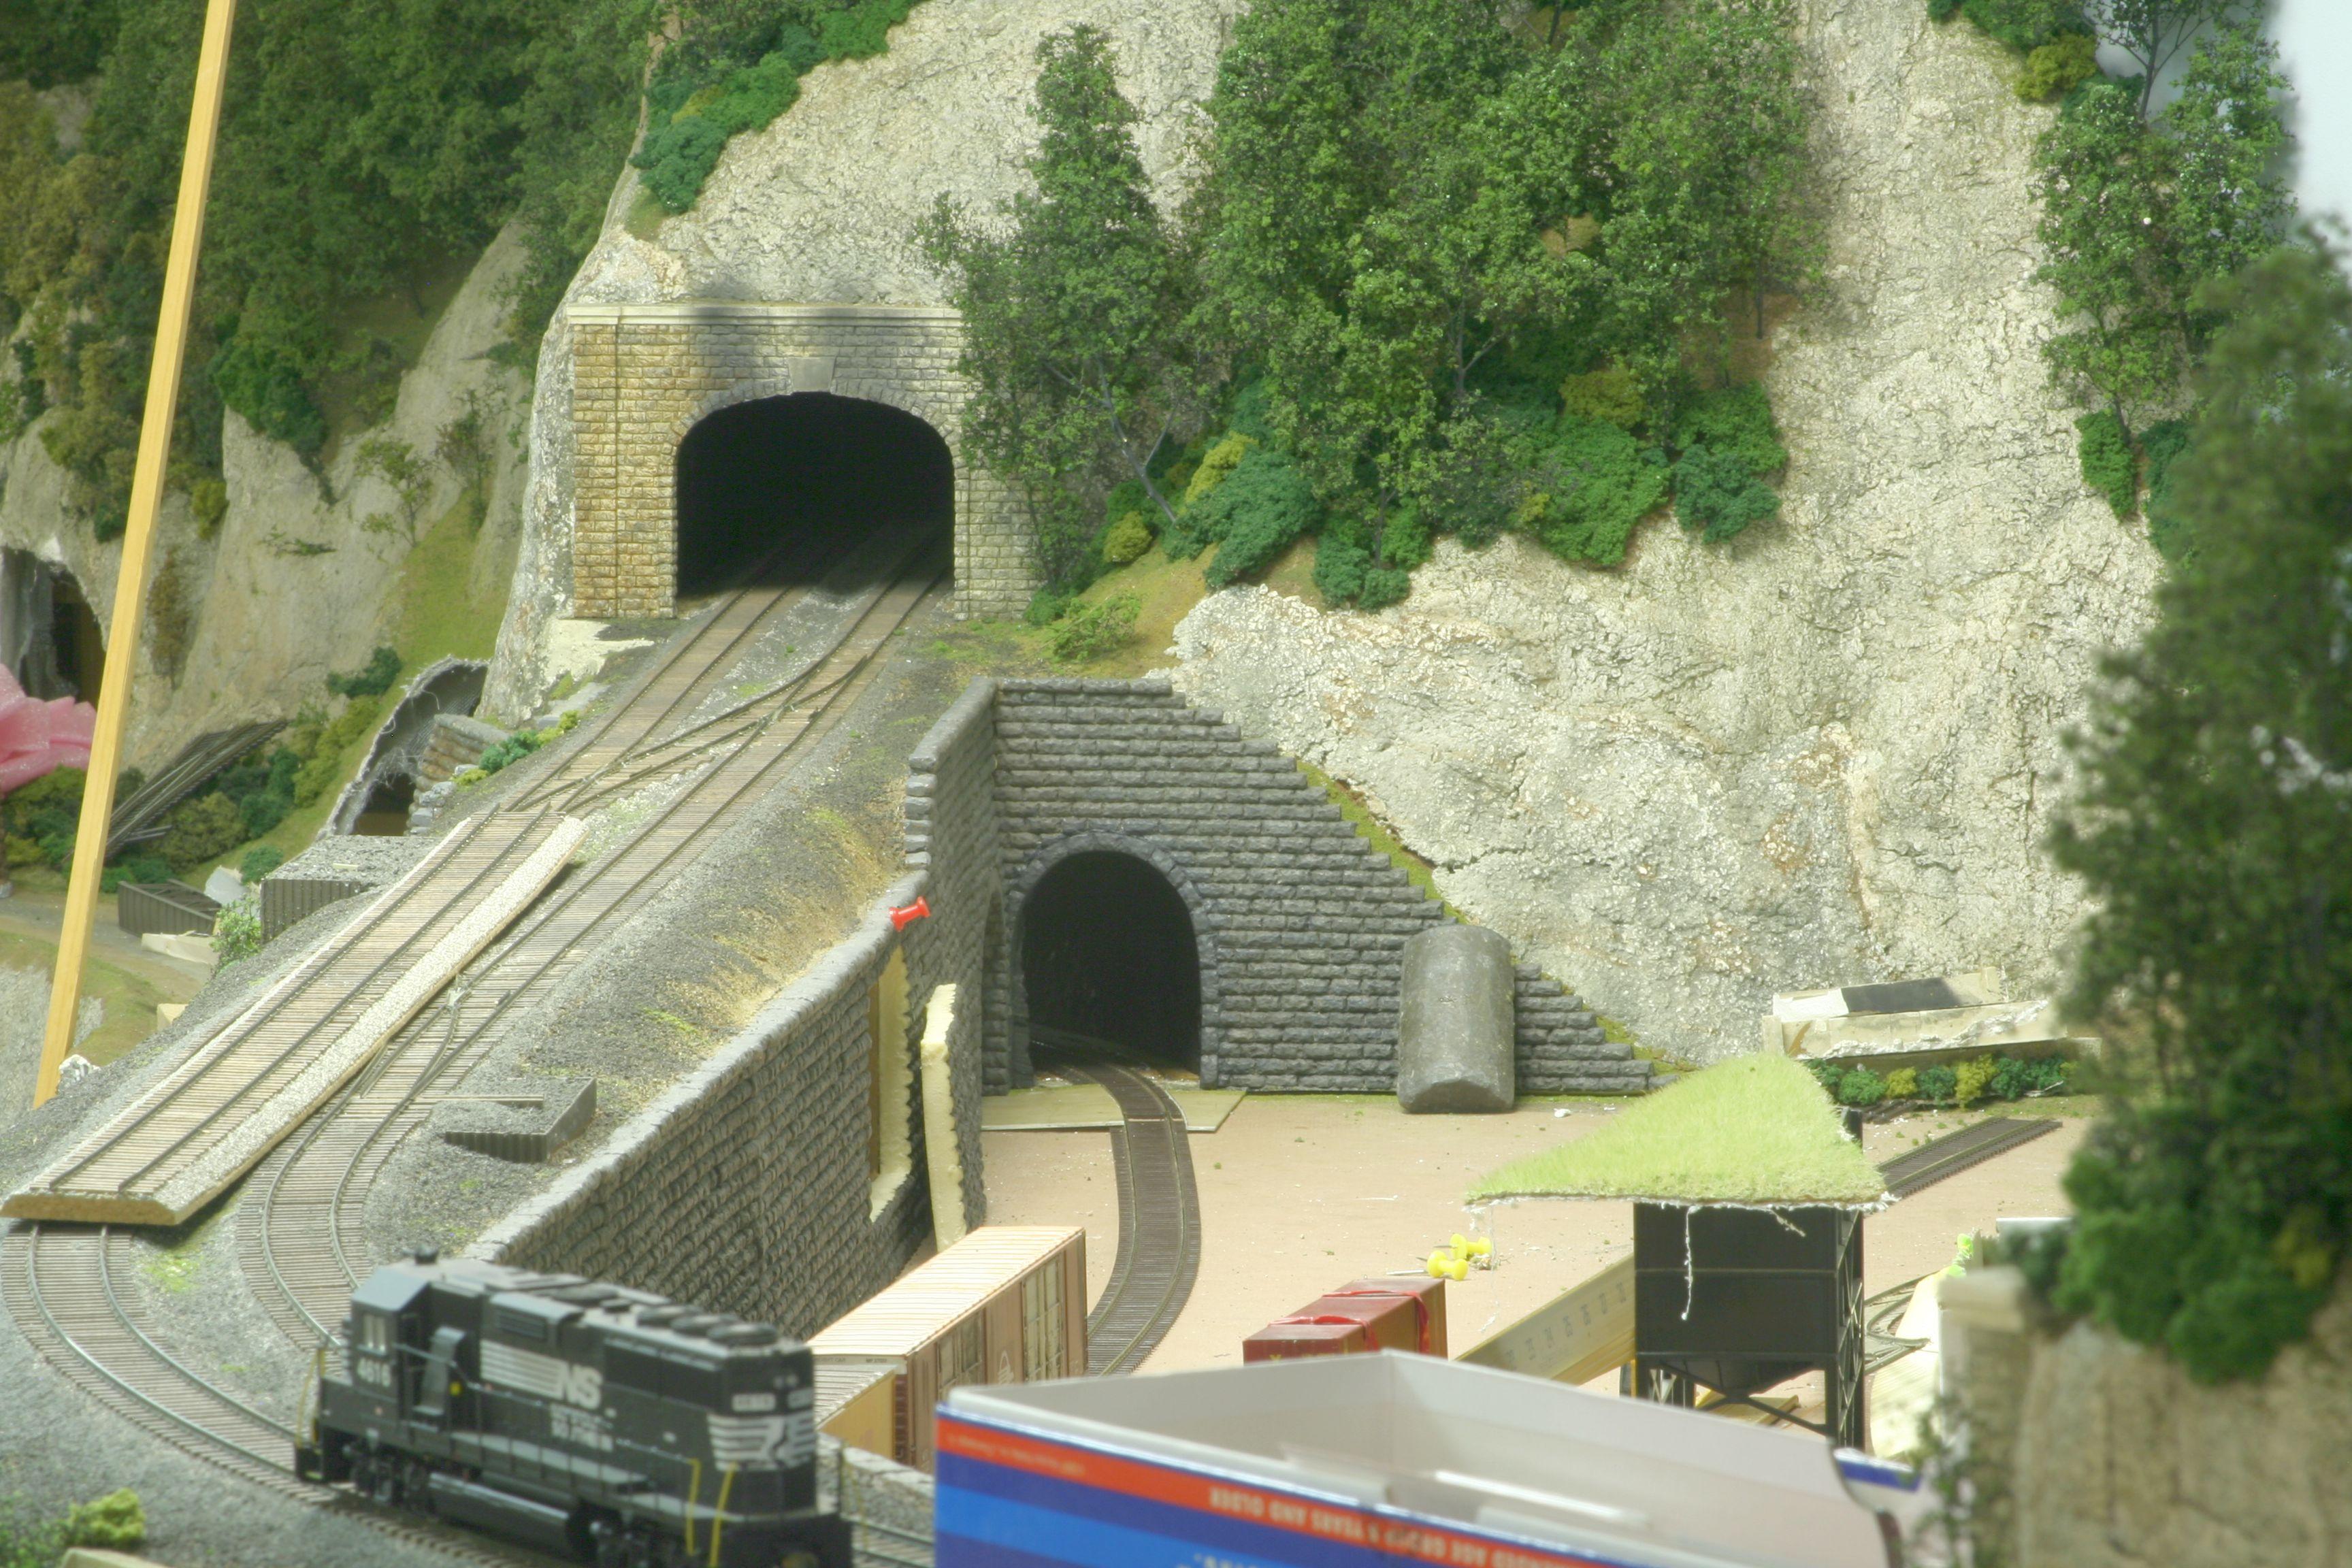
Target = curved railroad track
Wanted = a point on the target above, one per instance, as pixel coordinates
(300, 1242)
(1159, 1211)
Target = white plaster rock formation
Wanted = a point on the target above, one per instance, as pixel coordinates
(822, 207)
(267, 621)
(2122, 1461)
(1828, 753)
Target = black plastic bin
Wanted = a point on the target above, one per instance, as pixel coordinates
(1736, 1300)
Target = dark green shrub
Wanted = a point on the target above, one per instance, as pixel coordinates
(1829, 1075)
(2025, 25)
(202, 829)
(1255, 515)
(2164, 444)
(1591, 484)
(1125, 541)
(1347, 574)
(1860, 1086)
(259, 862)
(267, 385)
(1610, 395)
(372, 679)
(1938, 1084)
(1047, 607)
(1735, 420)
(139, 865)
(678, 157)
(2109, 465)
(1716, 492)
(1943, 10)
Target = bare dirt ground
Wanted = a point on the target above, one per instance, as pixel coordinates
(1301, 1193)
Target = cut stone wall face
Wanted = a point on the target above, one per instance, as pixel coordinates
(1301, 923)
(644, 375)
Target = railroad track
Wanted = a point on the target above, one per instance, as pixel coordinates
(1158, 1209)
(299, 1237)
(300, 1244)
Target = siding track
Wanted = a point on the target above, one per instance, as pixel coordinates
(300, 1240)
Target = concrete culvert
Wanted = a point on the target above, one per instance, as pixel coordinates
(1107, 950)
(811, 473)
(1456, 1032)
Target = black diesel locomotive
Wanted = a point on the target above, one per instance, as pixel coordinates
(628, 1430)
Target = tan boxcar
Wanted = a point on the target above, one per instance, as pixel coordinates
(1006, 1304)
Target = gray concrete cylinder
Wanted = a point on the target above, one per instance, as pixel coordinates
(1456, 1040)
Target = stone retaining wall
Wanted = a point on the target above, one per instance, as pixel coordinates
(745, 1188)
(1301, 922)
(644, 375)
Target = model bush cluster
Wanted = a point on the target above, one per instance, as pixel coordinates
(1959, 1084)
(115, 1522)
(365, 146)
(735, 65)
(2144, 211)
(2212, 832)
(515, 747)
(1447, 270)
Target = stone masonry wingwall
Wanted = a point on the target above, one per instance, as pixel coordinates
(1301, 922)
(644, 376)
(745, 1188)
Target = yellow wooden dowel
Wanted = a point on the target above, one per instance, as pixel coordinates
(138, 544)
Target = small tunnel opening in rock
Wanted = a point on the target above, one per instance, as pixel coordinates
(386, 815)
(50, 638)
(774, 490)
(1108, 951)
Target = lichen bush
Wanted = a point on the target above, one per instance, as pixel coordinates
(1587, 486)
(1255, 513)
(734, 67)
(2212, 830)
(2109, 465)
(236, 932)
(1089, 630)
(372, 679)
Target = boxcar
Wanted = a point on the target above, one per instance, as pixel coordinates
(1006, 1304)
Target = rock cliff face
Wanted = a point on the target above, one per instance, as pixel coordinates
(1828, 753)
(822, 208)
(291, 586)
(2122, 1460)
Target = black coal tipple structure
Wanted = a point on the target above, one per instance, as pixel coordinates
(1733, 1301)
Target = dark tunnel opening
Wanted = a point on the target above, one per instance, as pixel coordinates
(1107, 950)
(385, 814)
(773, 490)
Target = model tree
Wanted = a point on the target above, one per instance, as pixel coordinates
(1073, 305)
(2213, 830)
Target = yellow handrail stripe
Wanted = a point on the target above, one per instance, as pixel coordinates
(719, 1511)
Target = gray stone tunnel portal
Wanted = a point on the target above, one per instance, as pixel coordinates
(1107, 948)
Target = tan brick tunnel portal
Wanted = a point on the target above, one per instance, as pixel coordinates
(645, 375)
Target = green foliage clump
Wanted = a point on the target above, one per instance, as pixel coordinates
(1587, 487)
(1090, 630)
(115, 1522)
(2109, 465)
(2056, 68)
(139, 865)
(1938, 1084)
(1253, 516)
(1075, 308)
(324, 761)
(204, 828)
(372, 679)
(1610, 395)
(2165, 443)
(41, 820)
(1720, 494)
(361, 149)
(258, 862)
(1860, 1086)
(2210, 831)
(1738, 421)
(1903, 1083)
(236, 932)
(522, 743)
(1347, 573)
(2024, 25)
(1126, 539)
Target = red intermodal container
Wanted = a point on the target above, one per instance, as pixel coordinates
(1286, 1339)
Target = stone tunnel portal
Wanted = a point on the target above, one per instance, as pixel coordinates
(1107, 950)
(810, 469)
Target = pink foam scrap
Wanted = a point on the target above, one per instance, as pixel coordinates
(72, 724)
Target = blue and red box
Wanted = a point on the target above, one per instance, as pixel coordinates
(1378, 1460)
